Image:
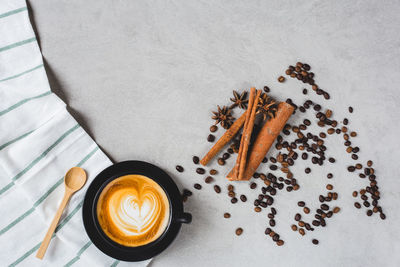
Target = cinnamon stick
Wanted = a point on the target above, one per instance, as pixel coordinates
(225, 138)
(266, 138)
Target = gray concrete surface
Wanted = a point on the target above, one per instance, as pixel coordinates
(143, 77)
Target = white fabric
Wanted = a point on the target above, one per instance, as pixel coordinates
(39, 142)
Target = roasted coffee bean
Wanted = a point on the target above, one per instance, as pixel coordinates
(268, 231)
(213, 128)
(358, 166)
(230, 151)
(200, 171)
(253, 185)
(221, 161)
(213, 172)
(272, 222)
(301, 231)
(234, 200)
(331, 160)
(353, 134)
(383, 216)
(304, 155)
(307, 170)
(369, 163)
(217, 189)
(369, 212)
(356, 149)
(349, 149)
(323, 223)
(231, 187)
(315, 241)
(336, 210)
(281, 79)
(196, 160)
(257, 209)
(347, 143)
(329, 175)
(351, 168)
(357, 205)
(275, 237)
(280, 243)
(197, 186)
(321, 198)
(270, 215)
(273, 211)
(329, 186)
(306, 210)
(366, 204)
(211, 138)
(227, 215)
(179, 168)
(301, 203)
(351, 109)
(243, 198)
(239, 231)
(354, 156)
(265, 160)
(317, 107)
(266, 89)
(297, 217)
(273, 167)
(304, 91)
(226, 156)
(355, 193)
(324, 207)
(209, 179)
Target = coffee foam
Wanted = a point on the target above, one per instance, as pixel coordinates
(133, 210)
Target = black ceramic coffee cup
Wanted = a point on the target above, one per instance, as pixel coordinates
(140, 253)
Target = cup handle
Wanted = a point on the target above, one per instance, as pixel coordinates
(184, 218)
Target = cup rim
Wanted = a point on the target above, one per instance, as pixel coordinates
(112, 248)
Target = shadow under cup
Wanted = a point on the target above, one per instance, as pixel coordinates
(138, 253)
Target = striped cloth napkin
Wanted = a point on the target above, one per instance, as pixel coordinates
(39, 142)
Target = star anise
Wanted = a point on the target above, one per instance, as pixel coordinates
(266, 106)
(223, 116)
(239, 100)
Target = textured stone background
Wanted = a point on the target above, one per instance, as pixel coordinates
(143, 77)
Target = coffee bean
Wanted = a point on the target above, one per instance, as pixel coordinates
(351, 168)
(351, 109)
(353, 134)
(358, 166)
(234, 200)
(297, 217)
(179, 168)
(200, 171)
(357, 205)
(280, 243)
(369, 212)
(329, 175)
(272, 222)
(315, 241)
(268, 231)
(275, 237)
(265, 160)
(324, 207)
(301, 231)
(336, 210)
(304, 91)
(243, 198)
(281, 79)
(354, 156)
(306, 210)
(304, 155)
(213, 128)
(273, 167)
(301, 203)
(227, 215)
(271, 216)
(332, 160)
(213, 172)
(197, 186)
(221, 161)
(369, 163)
(307, 170)
(217, 189)
(321, 198)
(329, 186)
(196, 160)
(273, 211)
(230, 151)
(209, 179)
(383, 216)
(239, 231)
(355, 193)
(211, 138)
(257, 209)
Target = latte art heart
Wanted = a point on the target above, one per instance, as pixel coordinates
(133, 210)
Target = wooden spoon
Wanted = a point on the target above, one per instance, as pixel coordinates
(74, 180)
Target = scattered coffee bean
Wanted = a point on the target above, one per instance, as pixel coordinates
(336, 210)
(257, 209)
(280, 243)
(179, 168)
(197, 186)
(315, 241)
(354, 156)
(266, 89)
(213, 172)
(306, 210)
(357, 205)
(351, 109)
(253, 185)
(221, 161)
(383, 216)
(307, 170)
(217, 189)
(355, 193)
(369, 212)
(301, 203)
(369, 163)
(196, 160)
(200, 171)
(239, 231)
(211, 138)
(304, 91)
(213, 128)
(281, 79)
(329, 186)
(209, 179)
(234, 200)
(301, 231)
(351, 168)
(329, 175)
(297, 217)
(227, 215)
(243, 198)
(268, 231)
(272, 222)
(294, 227)
(332, 160)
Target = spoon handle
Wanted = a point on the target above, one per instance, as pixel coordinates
(53, 225)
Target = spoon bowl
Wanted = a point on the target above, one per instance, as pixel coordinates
(75, 179)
